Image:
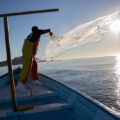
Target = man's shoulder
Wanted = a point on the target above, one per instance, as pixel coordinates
(38, 31)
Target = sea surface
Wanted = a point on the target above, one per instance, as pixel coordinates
(96, 77)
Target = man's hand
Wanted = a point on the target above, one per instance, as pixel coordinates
(51, 33)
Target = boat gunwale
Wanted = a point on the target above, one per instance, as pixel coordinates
(89, 98)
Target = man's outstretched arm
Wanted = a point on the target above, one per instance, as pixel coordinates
(47, 31)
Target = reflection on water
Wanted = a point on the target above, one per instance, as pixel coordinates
(98, 78)
(117, 73)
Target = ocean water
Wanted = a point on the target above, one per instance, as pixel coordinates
(96, 77)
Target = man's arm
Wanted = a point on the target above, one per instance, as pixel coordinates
(47, 31)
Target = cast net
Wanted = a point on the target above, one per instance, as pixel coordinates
(89, 32)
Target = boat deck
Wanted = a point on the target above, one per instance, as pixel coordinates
(34, 90)
(35, 96)
(51, 100)
(42, 99)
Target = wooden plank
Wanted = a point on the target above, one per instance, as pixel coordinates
(49, 107)
(11, 78)
(37, 109)
(29, 12)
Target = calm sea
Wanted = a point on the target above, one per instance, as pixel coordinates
(97, 77)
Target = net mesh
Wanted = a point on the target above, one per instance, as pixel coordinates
(89, 32)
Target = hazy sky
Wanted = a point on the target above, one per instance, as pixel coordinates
(71, 14)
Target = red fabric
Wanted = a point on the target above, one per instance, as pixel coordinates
(35, 48)
(34, 72)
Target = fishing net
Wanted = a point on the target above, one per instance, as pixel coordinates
(89, 32)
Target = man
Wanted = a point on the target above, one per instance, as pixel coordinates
(29, 51)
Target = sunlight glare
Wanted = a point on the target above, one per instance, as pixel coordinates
(115, 26)
(117, 72)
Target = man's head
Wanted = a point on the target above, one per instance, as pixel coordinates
(34, 28)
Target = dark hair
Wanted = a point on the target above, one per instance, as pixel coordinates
(34, 28)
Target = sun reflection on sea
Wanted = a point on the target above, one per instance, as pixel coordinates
(117, 72)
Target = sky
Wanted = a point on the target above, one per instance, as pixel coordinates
(71, 14)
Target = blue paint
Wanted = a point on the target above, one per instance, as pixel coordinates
(64, 103)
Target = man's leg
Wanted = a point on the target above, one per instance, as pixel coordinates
(34, 72)
(27, 61)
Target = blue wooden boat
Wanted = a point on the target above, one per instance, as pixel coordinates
(52, 101)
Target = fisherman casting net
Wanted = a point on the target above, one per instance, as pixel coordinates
(90, 32)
